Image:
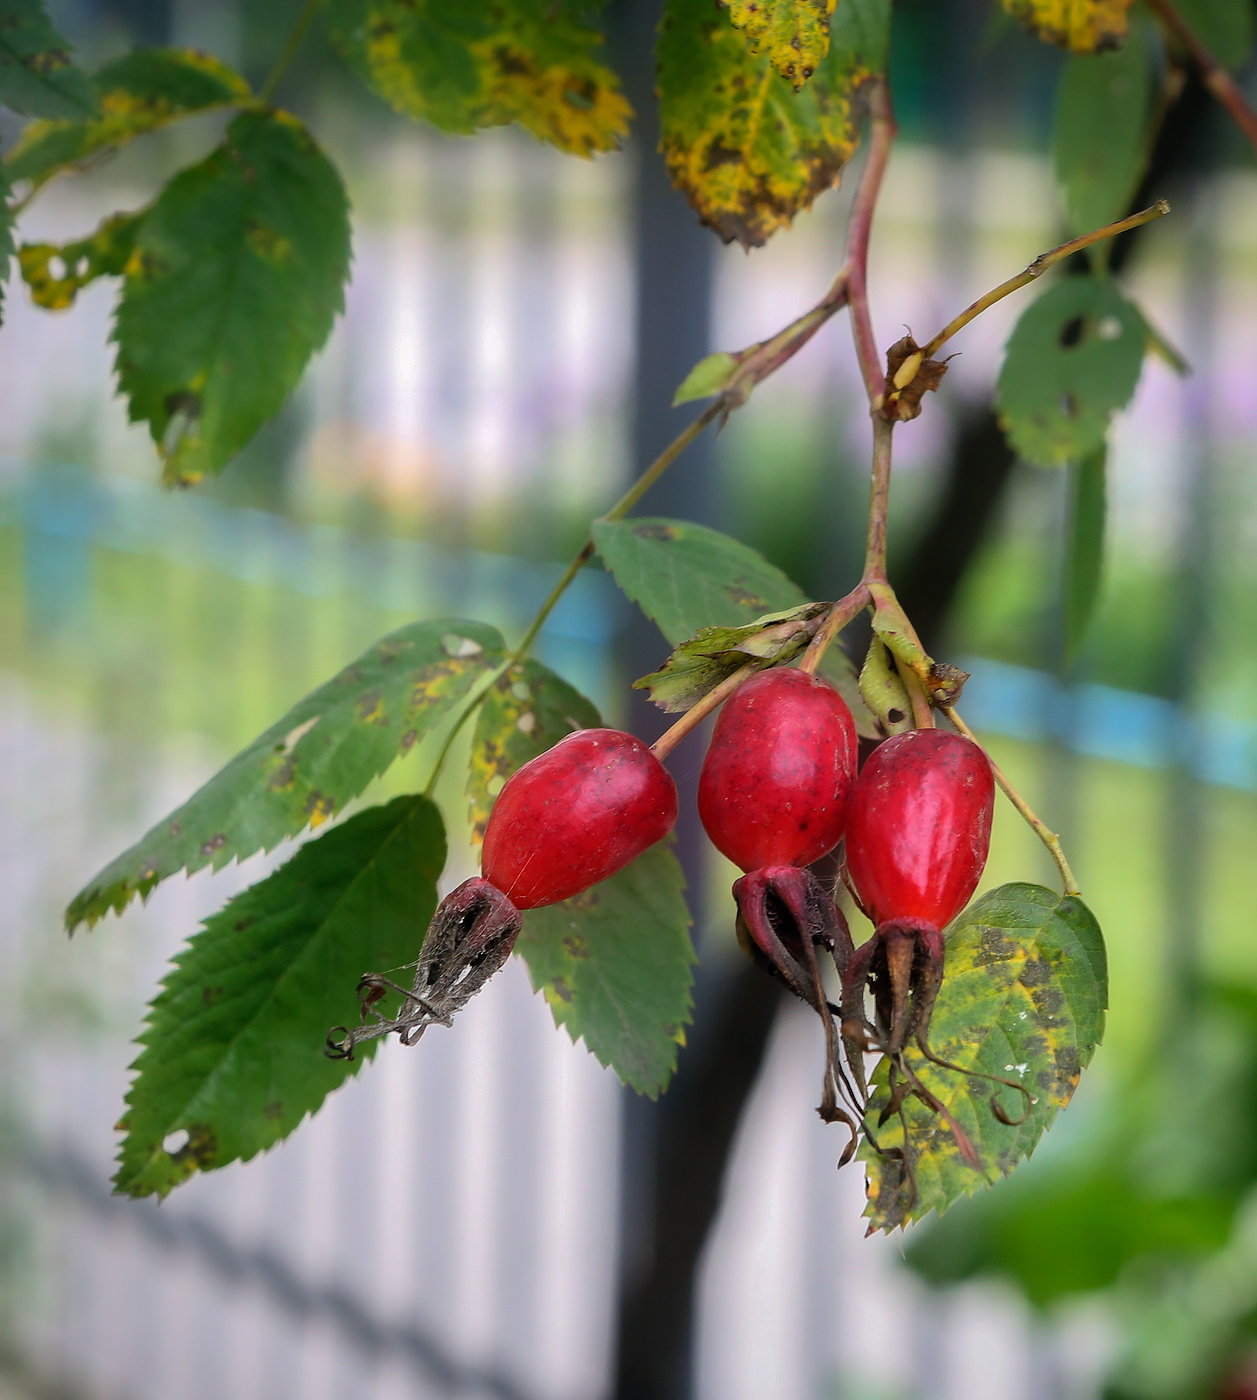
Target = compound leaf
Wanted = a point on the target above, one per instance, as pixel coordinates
(140, 92)
(237, 274)
(1084, 563)
(715, 653)
(685, 577)
(1110, 93)
(527, 710)
(303, 769)
(57, 272)
(1023, 998)
(232, 1046)
(793, 33)
(484, 63)
(37, 76)
(614, 964)
(1082, 26)
(748, 151)
(1072, 361)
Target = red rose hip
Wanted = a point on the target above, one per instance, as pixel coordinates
(774, 785)
(919, 827)
(575, 815)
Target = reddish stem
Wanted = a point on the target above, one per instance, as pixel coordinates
(881, 138)
(1213, 74)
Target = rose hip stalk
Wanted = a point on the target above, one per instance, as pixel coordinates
(570, 818)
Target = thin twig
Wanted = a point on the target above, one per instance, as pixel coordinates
(1214, 76)
(1049, 838)
(839, 615)
(695, 715)
(288, 52)
(881, 138)
(922, 713)
(1037, 268)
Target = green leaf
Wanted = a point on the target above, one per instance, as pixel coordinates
(614, 964)
(238, 273)
(1110, 93)
(140, 92)
(484, 63)
(748, 151)
(1072, 360)
(233, 1043)
(715, 653)
(528, 710)
(1224, 27)
(708, 378)
(57, 272)
(303, 769)
(37, 76)
(1023, 998)
(686, 577)
(1085, 560)
(794, 33)
(1082, 26)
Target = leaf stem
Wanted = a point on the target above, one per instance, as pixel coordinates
(1214, 76)
(839, 615)
(1049, 838)
(881, 137)
(286, 55)
(1037, 268)
(695, 715)
(473, 703)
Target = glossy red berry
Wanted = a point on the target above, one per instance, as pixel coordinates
(575, 815)
(774, 785)
(919, 827)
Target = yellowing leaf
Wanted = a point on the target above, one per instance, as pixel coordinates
(140, 92)
(749, 152)
(1082, 26)
(486, 63)
(795, 33)
(56, 273)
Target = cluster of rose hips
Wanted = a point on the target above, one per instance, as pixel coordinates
(780, 788)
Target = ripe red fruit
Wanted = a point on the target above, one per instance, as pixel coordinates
(774, 785)
(919, 827)
(575, 815)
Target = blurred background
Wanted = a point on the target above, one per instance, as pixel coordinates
(489, 1214)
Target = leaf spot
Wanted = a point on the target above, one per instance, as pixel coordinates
(459, 647)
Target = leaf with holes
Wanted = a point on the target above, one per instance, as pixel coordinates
(57, 272)
(686, 577)
(303, 769)
(232, 1056)
(1112, 93)
(1084, 563)
(748, 151)
(37, 75)
(237, 275)
(793, 33)
(140, 92)
(614, 964)
(1072, 361)
(714, 653)
(1023, 998)
(527, 711)
(484, 63)
(1082, 26)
